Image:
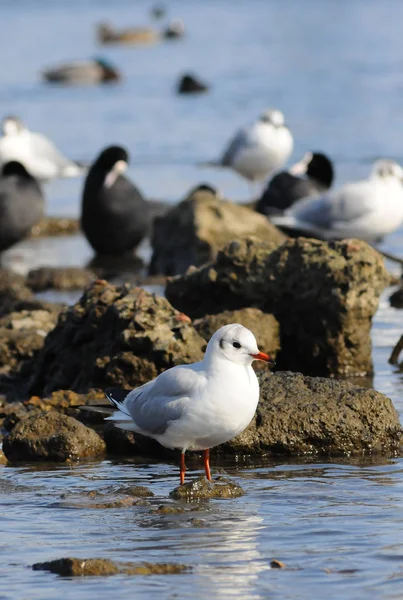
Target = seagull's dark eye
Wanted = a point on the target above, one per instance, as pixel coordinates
(236, 345)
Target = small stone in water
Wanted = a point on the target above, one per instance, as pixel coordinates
(200, 488)
(73, 567)
(277, 564)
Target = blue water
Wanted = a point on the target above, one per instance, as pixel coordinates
(336, 71)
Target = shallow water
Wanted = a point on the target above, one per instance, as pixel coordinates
(335, 70)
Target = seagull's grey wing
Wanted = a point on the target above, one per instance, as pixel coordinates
(313, 210)
(45, 148)
(154, 405)
(239, 142)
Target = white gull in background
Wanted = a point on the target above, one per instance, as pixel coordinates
(36, 152)
(197, 406)
(260, 149)
(367, 209)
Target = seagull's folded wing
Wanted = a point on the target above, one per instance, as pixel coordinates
(154, 405)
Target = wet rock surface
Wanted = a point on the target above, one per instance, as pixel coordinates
(78, 567)
(110, 498)
(298, 414)
(52, 226)
(202, 489)
(324, 296)
(59, 278)
(113, 336)
(51, 436)
(192, 232)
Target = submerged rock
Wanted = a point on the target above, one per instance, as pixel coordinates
(119, 336)
(324, 296)
(192, 232)
(73, 567)
(59, 278)
(52, 437)
(298, 414)
(201, 489)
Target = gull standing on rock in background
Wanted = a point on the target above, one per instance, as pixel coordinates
(367, 209)
(196, 406)
(36, 152)
(257, 151)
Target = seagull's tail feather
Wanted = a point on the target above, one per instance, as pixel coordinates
(117, 397)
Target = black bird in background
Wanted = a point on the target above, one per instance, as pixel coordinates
(22, 204)
(311, 176)
(114, 216)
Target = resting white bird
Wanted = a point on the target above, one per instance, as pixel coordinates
(197, 406)
(36, 152)
(367, 209)
(260, 149)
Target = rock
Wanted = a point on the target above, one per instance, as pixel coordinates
(119, 336)
(298, 414)
(73, 567)
(192, 232)
(53, 226)
(200, 489)
(277, 564)
(265, 326)
(189, 84)
(59, 278)
(22, 335)
(324, 296)
(52, 437)
(14, 294)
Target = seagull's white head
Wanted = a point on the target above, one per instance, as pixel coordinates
(387, 169)
(235, 343)
(11, 126)
(272, 117)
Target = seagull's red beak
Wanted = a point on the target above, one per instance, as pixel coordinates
(265, 357)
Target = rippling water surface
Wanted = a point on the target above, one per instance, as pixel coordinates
(336, 70)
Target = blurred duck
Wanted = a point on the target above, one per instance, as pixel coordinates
(106, 34)
(312, 176)
(35, 151)
(175, 30)
(21, 204)
(367, 209)
(82, 72)
(260, 149)
(114, 217)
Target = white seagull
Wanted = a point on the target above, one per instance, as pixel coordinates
(196, 406)
(36, 152)
(367, 209)
(260, 149)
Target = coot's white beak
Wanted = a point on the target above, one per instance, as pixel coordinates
(118, 168)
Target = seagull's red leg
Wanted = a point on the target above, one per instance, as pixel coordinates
(182, 468)
(206, 460)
